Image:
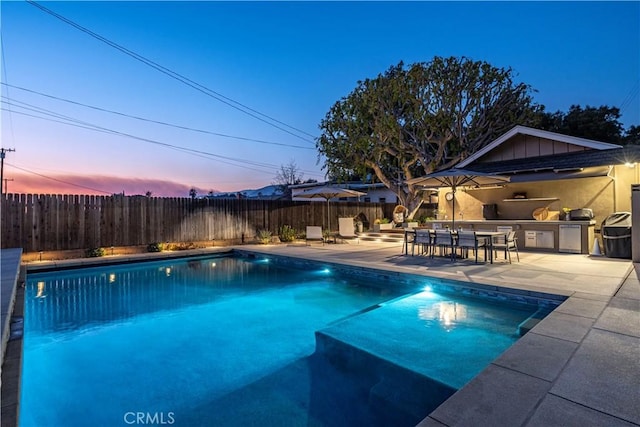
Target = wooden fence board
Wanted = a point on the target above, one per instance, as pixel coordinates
(57, 222)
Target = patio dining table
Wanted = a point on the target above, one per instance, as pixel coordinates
(488, 235)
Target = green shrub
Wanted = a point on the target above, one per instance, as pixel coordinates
(287, 233)
(424, 218)
(264, 236)
(94, 252)
(155, 247)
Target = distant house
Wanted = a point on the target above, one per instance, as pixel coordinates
(270, 192)
(375, 192)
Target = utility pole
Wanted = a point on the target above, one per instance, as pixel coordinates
(5, 180)
(3, 152)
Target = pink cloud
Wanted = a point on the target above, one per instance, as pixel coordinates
(98, 185)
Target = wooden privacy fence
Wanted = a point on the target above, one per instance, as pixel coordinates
(66, 222)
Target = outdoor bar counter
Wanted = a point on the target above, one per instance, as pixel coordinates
(545, 236)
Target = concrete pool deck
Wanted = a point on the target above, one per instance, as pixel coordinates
(579, 366)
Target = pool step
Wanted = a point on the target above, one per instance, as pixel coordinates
(533, 320)
(357, 313)
(392, 389)
(390, 237)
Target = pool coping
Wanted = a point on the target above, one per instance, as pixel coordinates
(44, 266)
(10, 268)
(515, 385)
(12, 292)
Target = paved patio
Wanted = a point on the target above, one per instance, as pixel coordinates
(579, 366)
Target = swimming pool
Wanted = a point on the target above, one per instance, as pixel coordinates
(231, 340)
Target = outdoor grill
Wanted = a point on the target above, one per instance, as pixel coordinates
(583, 214)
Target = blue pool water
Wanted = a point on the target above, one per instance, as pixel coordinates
(230, 341)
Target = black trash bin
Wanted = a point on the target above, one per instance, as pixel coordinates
(616, 235)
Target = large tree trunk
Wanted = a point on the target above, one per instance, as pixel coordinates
(412, 202)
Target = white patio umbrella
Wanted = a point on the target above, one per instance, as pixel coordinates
(458, 178)
(329, 192)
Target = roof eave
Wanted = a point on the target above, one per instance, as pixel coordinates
(583, 142)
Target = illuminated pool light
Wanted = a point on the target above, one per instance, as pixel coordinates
(321, 272)
(428, 292)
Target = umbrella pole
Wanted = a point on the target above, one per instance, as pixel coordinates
(328, 217)
(453, 209)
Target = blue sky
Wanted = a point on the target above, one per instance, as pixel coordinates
(287, 60)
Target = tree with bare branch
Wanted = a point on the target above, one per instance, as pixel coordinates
(413, 120)
(288, 174)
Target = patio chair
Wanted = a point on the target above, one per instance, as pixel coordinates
(468, 240)
(508, 243)
(347, 230)
(442, 240)
(423, 240)
(314, 233)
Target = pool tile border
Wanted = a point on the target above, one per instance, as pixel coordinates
(45, 266)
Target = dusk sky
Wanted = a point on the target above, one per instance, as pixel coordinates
(224, 93)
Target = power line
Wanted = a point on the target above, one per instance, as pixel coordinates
(60, 180)
(4, 72)
(197, 153)
(3, 153)
(69, 121)
(633, 93)
(177, 76)
(155, 121)
(6, 180)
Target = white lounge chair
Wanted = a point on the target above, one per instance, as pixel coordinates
(314, 232)
(347, 230)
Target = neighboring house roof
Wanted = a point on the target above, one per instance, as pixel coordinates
(581, 142)
(353, 185)
(270, 192)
